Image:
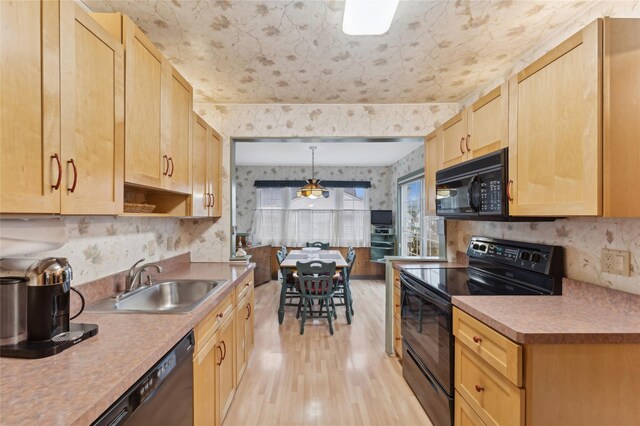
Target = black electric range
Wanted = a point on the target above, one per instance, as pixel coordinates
(496, 267)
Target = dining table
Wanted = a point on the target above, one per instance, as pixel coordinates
(305, 255)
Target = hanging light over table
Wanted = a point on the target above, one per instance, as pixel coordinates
(313, 189)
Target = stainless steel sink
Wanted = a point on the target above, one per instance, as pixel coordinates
(178, 296)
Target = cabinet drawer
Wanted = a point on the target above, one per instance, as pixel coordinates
(498, 351)
(210, 324)
(243, 288)
(464, 414)
(494, 398)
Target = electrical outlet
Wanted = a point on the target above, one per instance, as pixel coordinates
(616, 262)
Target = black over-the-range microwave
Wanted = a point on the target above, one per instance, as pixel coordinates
(475, 189)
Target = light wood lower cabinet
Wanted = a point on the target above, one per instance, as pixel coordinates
(223, 344)
(560, 384)
(397, 309)
(225, 376)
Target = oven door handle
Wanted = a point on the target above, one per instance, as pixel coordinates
(424, 295)
(473, 180)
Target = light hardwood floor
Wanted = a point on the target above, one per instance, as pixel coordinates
(319, 379)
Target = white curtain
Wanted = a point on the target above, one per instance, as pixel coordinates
(294, 227)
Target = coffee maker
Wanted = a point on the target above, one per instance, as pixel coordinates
(48, 305)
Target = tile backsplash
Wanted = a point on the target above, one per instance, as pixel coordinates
(582, 239)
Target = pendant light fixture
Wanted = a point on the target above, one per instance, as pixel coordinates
(313, 189)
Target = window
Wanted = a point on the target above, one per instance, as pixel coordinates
(281, 218)
(420, 235)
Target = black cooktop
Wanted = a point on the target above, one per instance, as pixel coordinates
(447, 282)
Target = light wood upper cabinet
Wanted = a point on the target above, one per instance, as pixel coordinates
(200, 194)
(432, 163)
(92, 115)
(487, 123)
(573, 119)
(176, 143)
(29, 107)
(477, 130)
(555, 148)
(454, 135)
(206, 165)
(214, 157)
(158, 111)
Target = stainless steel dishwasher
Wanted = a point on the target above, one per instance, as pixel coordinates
(163, 396)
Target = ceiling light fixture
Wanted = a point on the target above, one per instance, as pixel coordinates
(368, 17)
(313, 189)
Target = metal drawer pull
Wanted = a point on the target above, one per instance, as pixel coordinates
(57, 185)
(220, 315)
(479, 388)
(477, 339)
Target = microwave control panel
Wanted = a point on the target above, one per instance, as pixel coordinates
(491, 194)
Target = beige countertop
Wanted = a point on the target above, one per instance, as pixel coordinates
(584, 313)
(77, 385)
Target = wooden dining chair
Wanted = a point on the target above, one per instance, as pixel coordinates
(316, 283)
(343, 295)
(320, 245)
(289, 294)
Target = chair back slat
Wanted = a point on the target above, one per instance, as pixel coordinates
(280, 256)
(319, 244)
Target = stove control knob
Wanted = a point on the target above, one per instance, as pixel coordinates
(535, 257)
(476, 246)
(524, 255)
(483, 248)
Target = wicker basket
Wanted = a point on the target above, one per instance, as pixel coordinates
(138, 208)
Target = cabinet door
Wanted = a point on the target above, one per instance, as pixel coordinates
(242, 317)
(488, 123)
(555, 147)
(225, 368)
(29, 107)
(432, 158)
(216, 173)
(92, 115)
(200, 198)
(144, 164)
(204, 385)
(454, 131)
(178, 105)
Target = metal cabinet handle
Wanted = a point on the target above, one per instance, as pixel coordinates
(213, 200)
(477, 339)
(75, 176)
(509, 185)
(466, 142)
(166, 165)
(248, 310)
(57, 158)
(172, 166)
(225, 351)
(479, 388)
(461, 142)
(221, 357)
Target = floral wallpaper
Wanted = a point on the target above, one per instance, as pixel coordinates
(582, 238)
(305, 121)
(278, 51)
(379, 194)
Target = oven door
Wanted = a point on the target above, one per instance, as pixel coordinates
(427, 330)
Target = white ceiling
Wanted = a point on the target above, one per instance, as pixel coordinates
(327, 154)
(294, 51)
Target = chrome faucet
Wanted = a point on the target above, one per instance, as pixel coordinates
(135, 275)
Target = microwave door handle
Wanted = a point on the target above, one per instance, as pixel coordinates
(470, 194)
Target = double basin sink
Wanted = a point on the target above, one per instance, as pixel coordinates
(175, 296)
